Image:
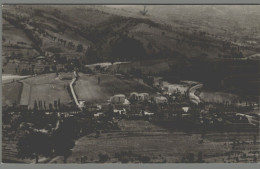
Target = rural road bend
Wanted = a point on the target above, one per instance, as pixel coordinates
(193, 98)
(73, 92)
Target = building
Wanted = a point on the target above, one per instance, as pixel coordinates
(139, 96)
(41, 59)
(185, 109)
(175, 88)
(118, 99)
(82, 104)
(160, 99)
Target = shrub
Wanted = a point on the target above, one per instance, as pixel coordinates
(103, 157)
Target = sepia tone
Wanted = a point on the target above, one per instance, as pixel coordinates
(130, 83)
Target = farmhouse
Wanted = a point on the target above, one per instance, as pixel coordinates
(82, 104)
(94, 108)
(175, 88)
(98, 114)
(119, 111)
(145, 113)
(185, 109)
(117, 99)
(160, 99)
(41, 59)
(39, 68)
(139, 96)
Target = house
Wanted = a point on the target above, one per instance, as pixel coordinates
(185, 109)
(118, 99)
(82, 103)
(39, 68)
(160, 99)
(120, 111)
(139, 96)
(145, 113)
(175, 88)
(92, 108)
(41, 59)
(98, 114)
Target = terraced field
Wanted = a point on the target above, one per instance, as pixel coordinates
(160, 145)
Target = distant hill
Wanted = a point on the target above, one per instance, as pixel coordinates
(119, 33)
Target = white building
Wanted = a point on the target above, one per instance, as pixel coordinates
(160, 99)
(118, 99)
(139, 96)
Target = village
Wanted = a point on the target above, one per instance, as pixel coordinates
(85, 84)
(171, 106)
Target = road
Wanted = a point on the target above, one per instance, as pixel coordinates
(193, 98)
(73, 92)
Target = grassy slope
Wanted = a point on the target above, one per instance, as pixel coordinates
(81, 25)
(87, 87)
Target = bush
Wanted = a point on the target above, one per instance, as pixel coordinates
(103, 157)
(144, 159)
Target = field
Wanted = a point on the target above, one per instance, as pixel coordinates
(87, 87)
(47, 88)
(11, 93)
(160, 145)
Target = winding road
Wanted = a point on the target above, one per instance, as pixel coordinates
(193, 98)
(73, 92)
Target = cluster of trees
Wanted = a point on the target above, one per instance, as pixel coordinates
(123, 48)
(60, 139)
(190, 158)
(41, 105)
(60, 142)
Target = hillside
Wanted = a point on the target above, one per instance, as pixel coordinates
(97, 31)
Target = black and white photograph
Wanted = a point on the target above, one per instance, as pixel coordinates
(125, 83)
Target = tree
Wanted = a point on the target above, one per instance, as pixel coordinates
(63, 139)
(191, 158)
(50, 107)
(33, 145)
(79, 48)
(35, 105)
(103, 157)
(44, 104)
(200, 160)
(59, 105)
(126, 48)
(55, 104)
(144, 11)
